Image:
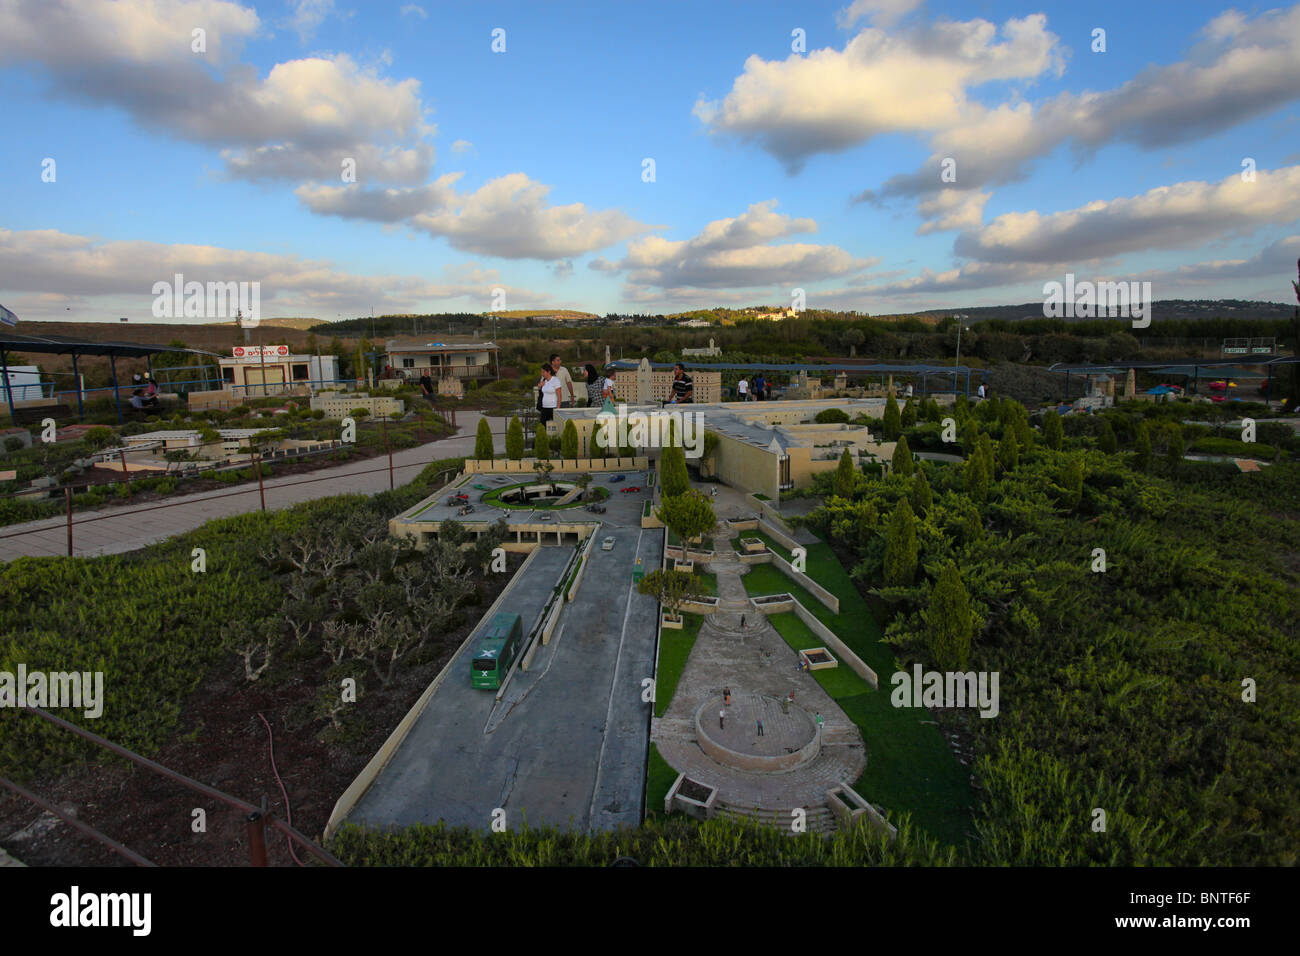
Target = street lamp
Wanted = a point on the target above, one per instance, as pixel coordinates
(957, 361)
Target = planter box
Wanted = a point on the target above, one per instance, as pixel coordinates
(701, 806)
(687, 567)
(850, 809)
(819, 658)
(753, 545)
(669, 623)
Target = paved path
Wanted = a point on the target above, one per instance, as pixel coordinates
(127, 528)
(753, 660)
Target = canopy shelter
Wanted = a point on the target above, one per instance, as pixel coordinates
(61, 345)
(953, 372)
(1186, 368)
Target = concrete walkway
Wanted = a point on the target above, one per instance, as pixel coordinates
(127, 528)
(752, 661)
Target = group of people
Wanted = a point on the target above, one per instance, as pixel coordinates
(556, 382)
(756, 391)
(144, 393)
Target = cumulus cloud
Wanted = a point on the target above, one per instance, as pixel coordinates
(883, 12)
(298, 122)
(307, 15)
(47, 270)
(1243, 68)
(914, 80)
(462, 146)
(730, 253)
(1183, 215)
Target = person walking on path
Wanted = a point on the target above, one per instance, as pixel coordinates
(760, 726)
(549, 398)
(742, 389)
(722, 720)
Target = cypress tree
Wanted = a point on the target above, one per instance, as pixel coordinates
(908, 415)
(1073, 483)
(1106, 438)
(900, 545)
(902, 458)
(977, 476)
(948, 621)
(1142, 458)
(1176, 446)
(541, 443)
(892, 424)
(922, 496)
(1053, 432)
(483, 441)
(845, 476)
(673, 478)
(515, 439)
(1009, 449)
(569, 441)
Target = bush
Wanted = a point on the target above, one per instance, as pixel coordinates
(515, 439)
(902, 464)
(831, 416)
(483, 441)
(948, 621)
(900, 545)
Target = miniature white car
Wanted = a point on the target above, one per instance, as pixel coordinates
(608, 544)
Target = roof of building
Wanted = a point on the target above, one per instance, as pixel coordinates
(62, 345)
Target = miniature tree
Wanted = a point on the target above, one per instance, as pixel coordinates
(515, 439)
(846, 476)
(673, 478)
(948, 620)
(922, 497)
(688, 515)
(483, 441)
(900, 545)
(1009, 449)
(671, 589)
(541, 443)
(1142, 447)
(892, 424)
(1053, 433)
(569, 441)
(1106, 438)
(902, 464)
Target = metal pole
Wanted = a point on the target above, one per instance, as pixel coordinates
(81, 411)
(257, 466)
(67, 501)
(257, 836)
(389, 449)
(9, 389)
(126, 475)
(117, 395)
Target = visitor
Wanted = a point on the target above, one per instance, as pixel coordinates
(907, 392)
(137, 398)
(607, 389)
(759, 385)
(151, 389)
(742, 389)
(426, 386)
(683, 387)
(594, 385)
(548, 398)
(566, 381)
(980, 392)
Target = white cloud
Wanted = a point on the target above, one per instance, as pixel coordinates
(915, 80)
(1183, 215)
(883, 12)
(735, 252)
(462, 146)
(47, 271)
(298, 122)
(307, 15)
(415, 10)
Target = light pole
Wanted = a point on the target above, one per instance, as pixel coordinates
(957, 361)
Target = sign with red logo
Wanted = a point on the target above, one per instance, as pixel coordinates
(258, 352)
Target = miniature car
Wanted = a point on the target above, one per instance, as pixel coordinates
(616, 479)
(631, 488)
(459, 498)
(546, 517)
(608, 544)
(465, 509)
(596, 509)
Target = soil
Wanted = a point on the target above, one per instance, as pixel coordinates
(694, 791)
(221, 741)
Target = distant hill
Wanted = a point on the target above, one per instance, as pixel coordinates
(1183, 309)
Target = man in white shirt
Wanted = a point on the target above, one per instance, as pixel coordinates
(742, 387)
(566, 380)
(980, 393)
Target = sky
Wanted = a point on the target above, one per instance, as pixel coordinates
(876, 155)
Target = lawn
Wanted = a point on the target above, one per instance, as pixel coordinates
(659, 780)
(674, 648)
(710, 582)
(909, 766)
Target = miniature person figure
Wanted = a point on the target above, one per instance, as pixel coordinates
(760, 726)
(820, 722)
(722, 720)
(726, 696)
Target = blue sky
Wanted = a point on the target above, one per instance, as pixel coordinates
(522, 170)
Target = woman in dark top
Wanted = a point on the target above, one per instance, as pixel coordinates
(594, 383)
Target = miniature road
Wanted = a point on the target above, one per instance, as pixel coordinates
(567, 745)
(127, 528)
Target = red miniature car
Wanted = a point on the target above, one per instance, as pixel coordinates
(630, 488)
(458, 499)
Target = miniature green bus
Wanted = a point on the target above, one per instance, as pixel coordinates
(500, 644)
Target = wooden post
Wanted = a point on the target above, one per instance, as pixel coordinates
(126, 475)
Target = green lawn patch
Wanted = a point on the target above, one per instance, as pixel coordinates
(674, 648)
(659, 780)
(710, 582)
